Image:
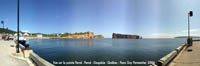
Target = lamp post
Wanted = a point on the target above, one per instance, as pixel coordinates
(189, 40)
(2, 22)
(17, 48)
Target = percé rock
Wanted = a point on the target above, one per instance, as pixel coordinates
(115, 35)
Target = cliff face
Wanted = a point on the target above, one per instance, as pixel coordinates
(98, 36)
(126, 36)
(87, 35)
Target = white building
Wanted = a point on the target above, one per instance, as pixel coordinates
(26, 34)
(39, 35)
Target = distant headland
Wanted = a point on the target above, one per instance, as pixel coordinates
(187, 37)
(85, 35)
(77, 35)
(127, 36)
(80, 35)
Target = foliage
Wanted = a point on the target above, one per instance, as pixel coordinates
(33, 35)
(47, 35)
(7, 31)
(69, 34)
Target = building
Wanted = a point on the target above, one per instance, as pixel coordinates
(39, 35)
(26, 34)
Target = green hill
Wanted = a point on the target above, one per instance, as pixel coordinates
(7, 31)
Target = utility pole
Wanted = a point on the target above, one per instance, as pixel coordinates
(17, 26)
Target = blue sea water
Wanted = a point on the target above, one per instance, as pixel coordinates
(107, 49)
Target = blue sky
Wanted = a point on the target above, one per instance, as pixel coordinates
(148, 18)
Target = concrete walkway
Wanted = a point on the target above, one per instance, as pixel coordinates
(188, 58)
(8, 55)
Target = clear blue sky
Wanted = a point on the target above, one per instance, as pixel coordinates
(149, 18)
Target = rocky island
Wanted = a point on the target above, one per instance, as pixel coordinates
(127, 36)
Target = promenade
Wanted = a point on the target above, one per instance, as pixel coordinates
(188, 57)
(9, 57)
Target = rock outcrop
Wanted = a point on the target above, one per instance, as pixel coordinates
(115, 35)
(98, 36)
(86, 35)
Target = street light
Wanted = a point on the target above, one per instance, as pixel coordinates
(2, 22)
(17, 48)
(189, 40)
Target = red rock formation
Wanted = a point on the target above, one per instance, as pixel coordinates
(115, 35)
(98, 36)
(87, 35)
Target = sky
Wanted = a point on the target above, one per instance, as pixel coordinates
(148, 18)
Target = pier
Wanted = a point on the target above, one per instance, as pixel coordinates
(26, 57)
(182, 56)
(9, 57)
(188, 57)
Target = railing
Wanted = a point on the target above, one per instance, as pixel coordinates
(164, 61)
(37, 60)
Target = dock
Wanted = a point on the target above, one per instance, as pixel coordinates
(188, 57)
(26, 57)
(182, 56)
(9, 57)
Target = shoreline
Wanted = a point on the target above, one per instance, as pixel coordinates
(57, 38)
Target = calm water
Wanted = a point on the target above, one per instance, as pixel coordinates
(103, 49)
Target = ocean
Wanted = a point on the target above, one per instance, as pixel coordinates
(104, 52)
